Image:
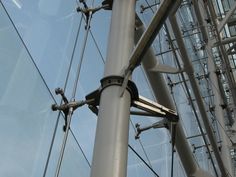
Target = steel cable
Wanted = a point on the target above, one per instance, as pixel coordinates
(65, 85)
(69, 116)
(143, 161)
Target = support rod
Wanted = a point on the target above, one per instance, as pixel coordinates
(190, 72)
(200, 20)
(111, 141)
(161, 93)
(166, 7)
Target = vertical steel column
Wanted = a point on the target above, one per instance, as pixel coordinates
(225, 154)
(111, 142)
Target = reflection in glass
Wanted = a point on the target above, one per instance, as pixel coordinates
(27, 121)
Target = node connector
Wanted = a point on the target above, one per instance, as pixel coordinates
(67, 106)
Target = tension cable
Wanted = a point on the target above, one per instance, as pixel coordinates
(69, 106)
(65, 85)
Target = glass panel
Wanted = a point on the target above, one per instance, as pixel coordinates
(73, 163)
(26, 119)
(49, 30)
(136, 168)
(27, 122)
(84, 126)
(52, 165)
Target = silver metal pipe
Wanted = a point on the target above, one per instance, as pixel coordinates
(190, 72)
(161, 93)
(111, 141)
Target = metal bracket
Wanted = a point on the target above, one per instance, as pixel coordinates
(88, 10)
(148, 107)
(160, 124)
(157, 110)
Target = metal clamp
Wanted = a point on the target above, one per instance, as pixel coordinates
(106, 82)
(118, 80)
(109, 81)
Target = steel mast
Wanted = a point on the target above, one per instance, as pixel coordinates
(111, 142)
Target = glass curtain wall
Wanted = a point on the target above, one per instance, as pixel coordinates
(42, 45)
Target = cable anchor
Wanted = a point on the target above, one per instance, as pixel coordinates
(67, 105)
